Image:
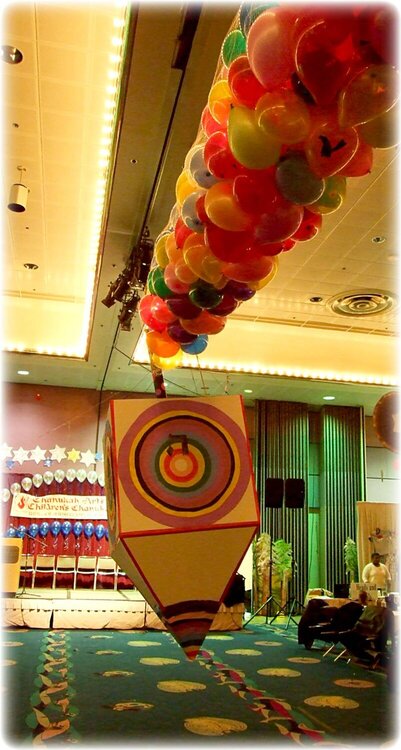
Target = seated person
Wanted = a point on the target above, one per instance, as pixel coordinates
(370, 634)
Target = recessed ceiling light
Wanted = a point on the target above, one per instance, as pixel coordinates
(315, 299)
(11, 55)
(23, 372)
(378, 239)
(248, 390)
(31, 266)
(329, 398)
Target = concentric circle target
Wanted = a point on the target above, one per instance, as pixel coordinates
(108, 479)
(184, 465)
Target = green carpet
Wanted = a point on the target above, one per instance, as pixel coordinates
(257, 685)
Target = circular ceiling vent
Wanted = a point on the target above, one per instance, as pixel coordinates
(362, 303)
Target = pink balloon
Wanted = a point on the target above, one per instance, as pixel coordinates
(269, 47)
(173, 283)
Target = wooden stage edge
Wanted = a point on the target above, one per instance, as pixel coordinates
(95, 610)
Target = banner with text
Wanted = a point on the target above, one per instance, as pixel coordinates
(59, 506)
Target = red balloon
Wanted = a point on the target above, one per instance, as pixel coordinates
(147, 315)
(330, 147)
(256, 193)
(318, 67)
(181, 232)
(278, 224)
(219, 158)
(226, 306)
(182, 307)
(309, 226)
(161, 311)
(244, 85)
(383, 29)
(209, 124)
(225, 245)
(361, 162)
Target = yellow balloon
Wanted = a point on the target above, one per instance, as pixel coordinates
(219, 101)
(382, 131)
(251, 146)
(283, 116)
(256, 285)
(185, 185)
(167, 363)
(174, 253)
(160, 250)
(223, 209)
(332, 197)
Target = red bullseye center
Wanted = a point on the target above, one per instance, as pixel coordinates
(179, 465)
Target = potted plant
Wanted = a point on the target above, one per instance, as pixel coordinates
(351, 559)
(282, 567)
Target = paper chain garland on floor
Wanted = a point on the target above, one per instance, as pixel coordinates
(301, 97)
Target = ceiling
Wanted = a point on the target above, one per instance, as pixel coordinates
(278, 345)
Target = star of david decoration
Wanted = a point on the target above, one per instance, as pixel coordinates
(181, 503)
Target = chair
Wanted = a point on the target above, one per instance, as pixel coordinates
(44, 564)
(106, 566)
(66, 564)
(343, 619)
(127, 583)
(26, 568)
(86, 566)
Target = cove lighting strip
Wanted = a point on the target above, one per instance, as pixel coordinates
(141, 356)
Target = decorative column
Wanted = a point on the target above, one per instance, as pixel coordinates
(281, 451)
(342, 484)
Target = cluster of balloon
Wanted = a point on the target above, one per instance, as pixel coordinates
(301, 97)
(56, 527)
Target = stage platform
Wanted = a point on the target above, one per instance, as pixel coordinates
(93, 610)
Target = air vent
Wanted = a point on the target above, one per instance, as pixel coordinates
(356, 304)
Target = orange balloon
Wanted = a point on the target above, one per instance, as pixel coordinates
(219, 101)
(284, 116)
(161, 344)
(174, 253)
(370, 93)
(254, 270)
(223, 209)
(204, 323)
(184, 273)
(201, 261)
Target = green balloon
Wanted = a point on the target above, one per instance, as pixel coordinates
(234, 45)
(205, 297)
(159, 285)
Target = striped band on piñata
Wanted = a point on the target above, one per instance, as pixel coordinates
(189, 623)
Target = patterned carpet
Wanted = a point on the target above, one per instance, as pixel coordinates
(256, 685)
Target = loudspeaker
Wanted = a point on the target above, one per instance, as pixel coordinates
(294, 493)
(274, 493)
(341, 590)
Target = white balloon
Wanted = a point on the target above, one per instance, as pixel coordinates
(100, 479)
(37, 480)
(71, 474)
(59, 475)
(48, 477)
(92, 477)
(81, 475)
(26, 483)
(15, 487)
(5, 494)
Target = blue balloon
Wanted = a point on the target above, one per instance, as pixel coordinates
(33, 529)
(21, 531)
(66, 527)
(106, 533)
(11, 532)
(89, 529)
(55, 527)
(197, 346)
(44, 529)
(78, 528)
(99, 531)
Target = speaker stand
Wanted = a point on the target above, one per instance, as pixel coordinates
(265, 604)
(288, 609)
